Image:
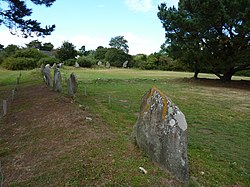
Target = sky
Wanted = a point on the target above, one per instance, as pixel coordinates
(94, 22)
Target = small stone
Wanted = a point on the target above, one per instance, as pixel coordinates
(143, 170)
(88, 118)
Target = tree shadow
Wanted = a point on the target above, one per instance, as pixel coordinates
(238, 84)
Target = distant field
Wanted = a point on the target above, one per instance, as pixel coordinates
(217, 115)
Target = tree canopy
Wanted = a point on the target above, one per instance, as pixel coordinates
(119, 42)
(14, 17)
(211, 35)
(66, 51)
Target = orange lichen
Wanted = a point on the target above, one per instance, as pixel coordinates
(152, 91)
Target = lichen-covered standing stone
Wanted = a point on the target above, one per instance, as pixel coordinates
(57, 84)
(72, 84)
(161, 131)
(47, 76)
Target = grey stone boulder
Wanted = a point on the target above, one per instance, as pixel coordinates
(47, 76)
(161, 131)
(57, 84)
(72, 85)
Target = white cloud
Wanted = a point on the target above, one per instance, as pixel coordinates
(140, 5)
(137, 43)
(141, 44)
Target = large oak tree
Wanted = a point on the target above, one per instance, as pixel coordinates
(14, 13)
(211, 35)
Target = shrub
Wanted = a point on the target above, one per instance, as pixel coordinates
(47, 60)
(70, 62)
(245, 73)
(117, 57)
(30, 53)
(19, 63)
(86, 61)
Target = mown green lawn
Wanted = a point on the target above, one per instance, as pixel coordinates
(217, 115)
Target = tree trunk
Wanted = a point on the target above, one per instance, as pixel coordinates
(196, 71)
(228, 75)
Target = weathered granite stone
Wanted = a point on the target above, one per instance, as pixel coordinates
(72, 84)
(42, 68)
(161, 131)
(107, 65)
(47, 76)
(54, 66)
(57, 84)
(125, 64)
(99, 63)
(60, 65)
(77, 65)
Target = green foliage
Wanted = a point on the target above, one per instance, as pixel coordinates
(9, 50)
(209, 35)
(23, 59)
(100, 53)
(70, 62)
(34, 44)
(158, 61)
(19, 63)
(139, 60)
(119, 42)
(47, 46)
(66, 51)
(14, 15)
(48, 60)
(245, 73)
(117, 57)
(86, 61)
(30, 53)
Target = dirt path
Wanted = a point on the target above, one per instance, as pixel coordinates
(45, 138)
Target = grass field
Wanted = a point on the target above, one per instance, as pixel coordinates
(217, 115)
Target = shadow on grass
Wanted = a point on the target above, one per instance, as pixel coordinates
(238, 84)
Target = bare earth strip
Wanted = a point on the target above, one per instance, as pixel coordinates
(45, 138)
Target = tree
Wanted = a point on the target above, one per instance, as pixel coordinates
(10, 50)
(117, 57)
(210, 35)
(47, 46)
(119, 42)
(66, 51)
(100, 53)
(13, 17)
(34, 44)
(1, 47)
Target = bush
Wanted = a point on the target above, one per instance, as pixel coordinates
(19, 63)
(86, 61)
(48, 60)
(70, 62)
(245, 73)
(117, 57)
(30, 53)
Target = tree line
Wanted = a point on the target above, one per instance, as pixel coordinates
(36, 53)
(201, 36)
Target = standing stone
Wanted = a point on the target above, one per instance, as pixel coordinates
(47, 76)
(77, 65)
(42, 68)
(99, 63)
(72, 84)
(5, 106)
(60, 65)
(125, 64)
(57, 84)
(54, 66)
(161, 131)
(107, 65)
